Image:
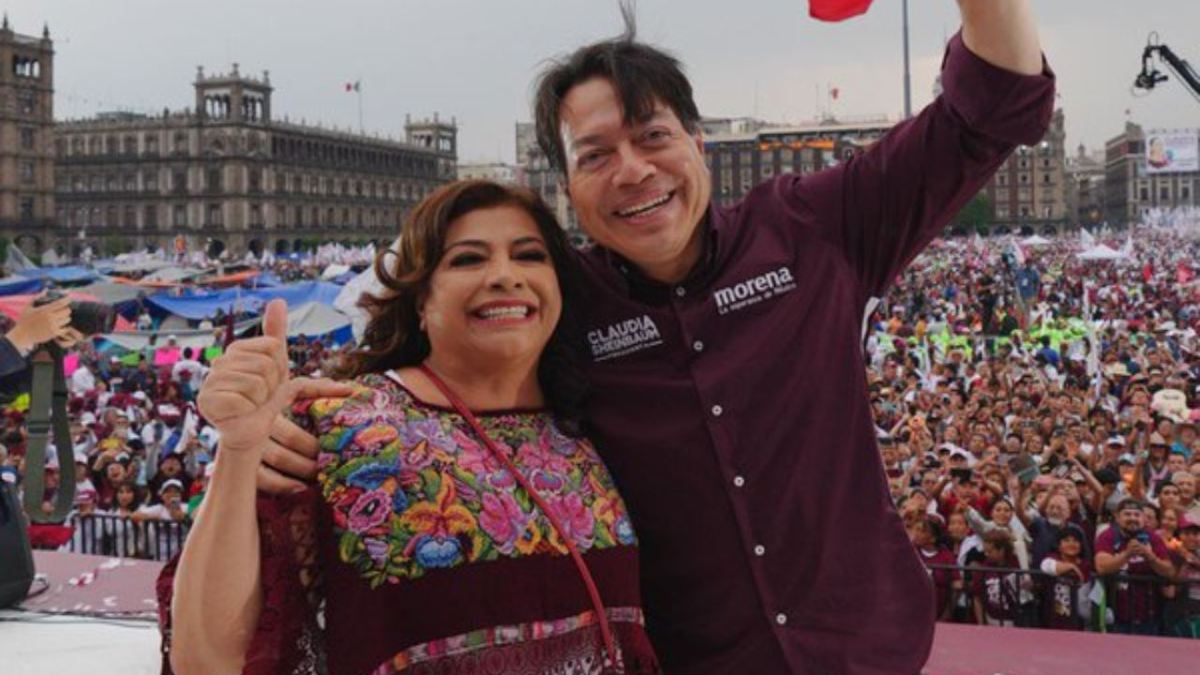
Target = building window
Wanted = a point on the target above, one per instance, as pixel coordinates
(130, 217)
(110, 145)
(27, 138)
(130, 145)
(110, 217)
(26, 208)
(131, 182)
(26, 172)
(26, 103)
(1023, 178)
(150, 217)
(181, 143)
(214, 215)
(179, 182)
(255, 180)
(1046, 178)
(150, 181)
(212, 180)
(1164, 193)
(256, 215)
(179, 216)
(1002, 180)
(1143, 194)
(151, 144)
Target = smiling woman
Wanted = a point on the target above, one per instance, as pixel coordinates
(458, 523)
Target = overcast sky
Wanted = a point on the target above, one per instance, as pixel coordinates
(476, 60)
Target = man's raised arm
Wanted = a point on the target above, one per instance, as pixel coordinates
(1003, 33)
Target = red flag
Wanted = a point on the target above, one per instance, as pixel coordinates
(1148, 272)
(837, 10)
(1183, 273)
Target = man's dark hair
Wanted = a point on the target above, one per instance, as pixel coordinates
(641, 74)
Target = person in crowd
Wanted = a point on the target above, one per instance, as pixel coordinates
(514, 514)
(1128, 549)
(926, 537)
(996, 590)
(1065, 594)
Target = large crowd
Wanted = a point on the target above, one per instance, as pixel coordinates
(1037, 419)
(1036, 415)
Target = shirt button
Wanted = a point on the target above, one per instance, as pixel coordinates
(760, 550)
(738, 481)
(698, 346)
(717, 410)
(680, 291)
(781, 619)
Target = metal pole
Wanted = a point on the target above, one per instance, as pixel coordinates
(907, 74)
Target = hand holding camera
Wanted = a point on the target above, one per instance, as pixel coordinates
(40, 323)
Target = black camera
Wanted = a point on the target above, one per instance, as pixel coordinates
(87, 317)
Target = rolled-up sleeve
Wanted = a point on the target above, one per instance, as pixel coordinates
(880, 208)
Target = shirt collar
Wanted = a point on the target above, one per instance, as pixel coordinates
(644, 289)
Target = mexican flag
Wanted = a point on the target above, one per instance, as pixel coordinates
(837, 10)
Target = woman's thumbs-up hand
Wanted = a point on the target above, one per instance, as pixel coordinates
(249, 385)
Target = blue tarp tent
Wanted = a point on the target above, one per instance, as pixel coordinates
(196, 305)
(300, 293)
(18, 285)
(64, 275)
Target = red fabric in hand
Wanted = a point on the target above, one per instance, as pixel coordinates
(837, 10)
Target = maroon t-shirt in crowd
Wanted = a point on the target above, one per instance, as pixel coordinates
(943, 579)
(1133, 601)
(732, 408)
(1060, 597)
(999, 592)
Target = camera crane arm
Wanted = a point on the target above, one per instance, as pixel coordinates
(1151, 76)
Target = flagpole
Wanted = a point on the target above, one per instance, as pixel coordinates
(907, 76)
(358, 90)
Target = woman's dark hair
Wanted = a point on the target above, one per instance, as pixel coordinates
(641, 74)
(393, 337)
(138, 497)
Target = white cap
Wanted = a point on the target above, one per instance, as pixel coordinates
(170, 482)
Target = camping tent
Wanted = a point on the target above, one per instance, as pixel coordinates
(1035, 240)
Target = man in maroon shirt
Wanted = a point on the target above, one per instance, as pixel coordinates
(729, 395)
(1127, 549)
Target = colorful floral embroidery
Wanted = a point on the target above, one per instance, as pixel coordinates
(411, 489)
(497, 636)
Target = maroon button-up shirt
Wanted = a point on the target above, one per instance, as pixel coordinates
(732, 409)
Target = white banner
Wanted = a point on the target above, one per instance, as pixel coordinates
(1172, 151)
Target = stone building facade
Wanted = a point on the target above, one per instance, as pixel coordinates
(228, 174)
(1130, 191)
(26, 123)
(1029, 192)
(742, 152)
